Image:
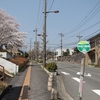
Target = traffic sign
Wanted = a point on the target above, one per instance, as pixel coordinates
(83, 46)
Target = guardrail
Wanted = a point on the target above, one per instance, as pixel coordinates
(3, 74)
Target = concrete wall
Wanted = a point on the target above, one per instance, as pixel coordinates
(9, 66)
(73, 58)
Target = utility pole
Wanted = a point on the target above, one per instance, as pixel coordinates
(61, 44)
(44, 31)
(79, 37)
(44, 34)
(30, 50)
(36, 55)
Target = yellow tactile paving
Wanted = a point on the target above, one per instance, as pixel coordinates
(26, 81)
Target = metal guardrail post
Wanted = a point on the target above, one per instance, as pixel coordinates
(3, 74)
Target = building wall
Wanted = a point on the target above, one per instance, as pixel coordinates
(3, 54)
(93, 56)
(58, 52)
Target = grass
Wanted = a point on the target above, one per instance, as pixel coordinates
(3, 85)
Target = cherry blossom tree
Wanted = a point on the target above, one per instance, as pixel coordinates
(9, 31)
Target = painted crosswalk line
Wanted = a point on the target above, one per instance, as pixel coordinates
(77, 79)
(65, 73)
(85, 74)
(97, 92)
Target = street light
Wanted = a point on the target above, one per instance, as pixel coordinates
(44, 31)
(56, 11)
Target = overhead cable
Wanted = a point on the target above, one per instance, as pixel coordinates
(85, 20)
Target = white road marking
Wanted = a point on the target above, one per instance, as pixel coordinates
(85, 74)
(97, 92)
(78, 73)
(77, 79)
(65, 73)
(88, 74)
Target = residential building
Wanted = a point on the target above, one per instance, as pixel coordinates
(58, 52)
(93, 56)
(5, 54)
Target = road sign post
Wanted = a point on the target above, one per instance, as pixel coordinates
(81, 78)
(84, 47)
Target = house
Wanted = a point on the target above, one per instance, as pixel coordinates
(5, 54)
(58, 52)
(93, 56)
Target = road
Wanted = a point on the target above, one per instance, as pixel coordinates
(71, 77)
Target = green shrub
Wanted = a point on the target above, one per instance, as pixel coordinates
(52, 67)
(94, 65)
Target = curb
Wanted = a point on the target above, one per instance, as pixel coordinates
(61, 89)
(50, 86)
(45, 69)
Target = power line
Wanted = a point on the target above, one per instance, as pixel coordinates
(40, 20)
(85, 20)
(85, 29)
(88, 19)
(82, 22)
(87, 37)
(38, 13)
(51, 5)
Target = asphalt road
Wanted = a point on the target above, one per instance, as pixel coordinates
(71, 77)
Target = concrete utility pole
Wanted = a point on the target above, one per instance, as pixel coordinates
(30, 49)
(79, 37)
(44, 34)
(61, 44)
(44, 31)
(36, 43)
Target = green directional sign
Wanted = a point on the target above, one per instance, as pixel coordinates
(83, 46)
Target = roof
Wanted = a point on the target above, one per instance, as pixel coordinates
(2, 50)
(98, 35)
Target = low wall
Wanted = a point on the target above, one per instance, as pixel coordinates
(72, 58)
(9, 66)
(76, 57)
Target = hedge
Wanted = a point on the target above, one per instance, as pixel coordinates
(52, 67)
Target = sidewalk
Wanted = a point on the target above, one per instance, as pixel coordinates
(38, 85)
